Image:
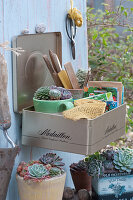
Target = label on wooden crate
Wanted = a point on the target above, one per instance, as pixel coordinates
(54, 135)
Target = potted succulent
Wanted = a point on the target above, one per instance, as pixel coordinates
(41, 179)
(111, 171)
(115, 173)
(81, 77)
(52, 99)
(83, 171)
(80, 177)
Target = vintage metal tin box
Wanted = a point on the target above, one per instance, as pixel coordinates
(53, 131)
(113, 187)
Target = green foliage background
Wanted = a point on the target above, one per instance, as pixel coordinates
(110, 54)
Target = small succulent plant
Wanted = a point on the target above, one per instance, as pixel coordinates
(55, 94)
(95, 168)
(54, 171)
(95, 156)
(66, 95)
(108, 165)
(42, 93)
(109, 153)
(80, 166)
(52, 159)
(123, 160)
(81, 76)
(61, 89)
(37, 171)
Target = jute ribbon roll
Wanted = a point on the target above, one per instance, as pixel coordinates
(75, 15)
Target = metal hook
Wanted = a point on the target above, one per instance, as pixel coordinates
(4, 128)
(8, 138)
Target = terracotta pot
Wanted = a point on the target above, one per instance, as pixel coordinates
(49, 189)
(7, 158)
(81, 180)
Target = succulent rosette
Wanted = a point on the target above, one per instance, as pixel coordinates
(46, 167)
(38, 171)
(108, 165)
(80, 166)
(54, 171)
(66, 95)
(52, 159)
(95, 168)
(123, 160)
(42, 93)
(55, 94)
(109, 154)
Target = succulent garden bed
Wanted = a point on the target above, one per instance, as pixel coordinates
(116, 179)
(42, 178)
(111, 171)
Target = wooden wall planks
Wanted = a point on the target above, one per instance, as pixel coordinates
(15, 16)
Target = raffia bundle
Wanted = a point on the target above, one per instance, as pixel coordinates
(85, 108)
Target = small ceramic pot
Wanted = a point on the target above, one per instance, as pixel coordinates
(49, 189)
(52, 106)
(81, 180)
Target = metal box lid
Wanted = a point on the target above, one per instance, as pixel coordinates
(29, 69)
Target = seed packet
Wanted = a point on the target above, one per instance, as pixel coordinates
(102, 97)
(111, 105)
(93, 91)
(109, 84)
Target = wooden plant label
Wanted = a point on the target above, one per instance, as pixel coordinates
(65, 79)
(71, 75)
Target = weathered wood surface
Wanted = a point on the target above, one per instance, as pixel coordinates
(15, 16)
(5, 117)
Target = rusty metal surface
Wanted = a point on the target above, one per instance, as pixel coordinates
(7, 158)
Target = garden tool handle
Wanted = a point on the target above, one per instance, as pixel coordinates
(5, 117)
